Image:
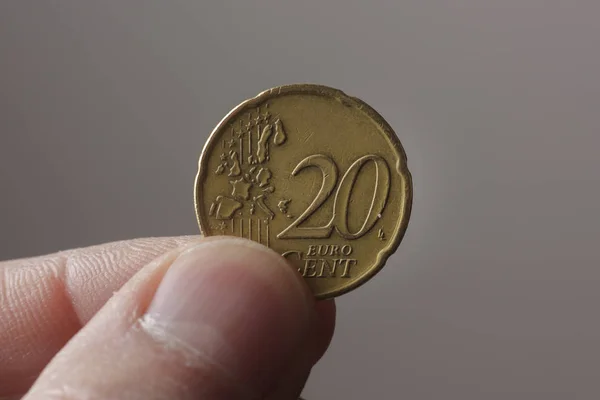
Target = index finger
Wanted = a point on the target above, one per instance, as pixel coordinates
(45, 300)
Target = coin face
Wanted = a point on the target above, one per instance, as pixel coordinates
(315, 175)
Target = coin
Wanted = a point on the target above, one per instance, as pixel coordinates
(312, 173)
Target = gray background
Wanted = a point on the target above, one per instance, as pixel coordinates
(494, 293)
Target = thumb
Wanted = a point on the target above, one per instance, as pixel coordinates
(222, 319)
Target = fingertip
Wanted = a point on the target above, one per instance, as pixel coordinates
(236, 305)
(324, 327)
(225, 318)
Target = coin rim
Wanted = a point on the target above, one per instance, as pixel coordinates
(320, 90)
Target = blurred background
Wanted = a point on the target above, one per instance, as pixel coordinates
(495, 290)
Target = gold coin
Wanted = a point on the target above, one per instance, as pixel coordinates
(316, 175)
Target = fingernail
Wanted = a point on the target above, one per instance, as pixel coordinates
(234, 306)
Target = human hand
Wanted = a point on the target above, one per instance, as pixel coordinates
(214, 318)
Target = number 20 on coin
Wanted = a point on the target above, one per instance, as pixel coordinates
(316, 175)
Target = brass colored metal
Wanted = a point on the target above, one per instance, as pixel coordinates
(316, 175)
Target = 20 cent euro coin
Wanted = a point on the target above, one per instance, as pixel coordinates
(314, 174)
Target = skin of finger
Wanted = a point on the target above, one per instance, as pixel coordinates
(293, 381)
(93, 363)
(45, 300)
